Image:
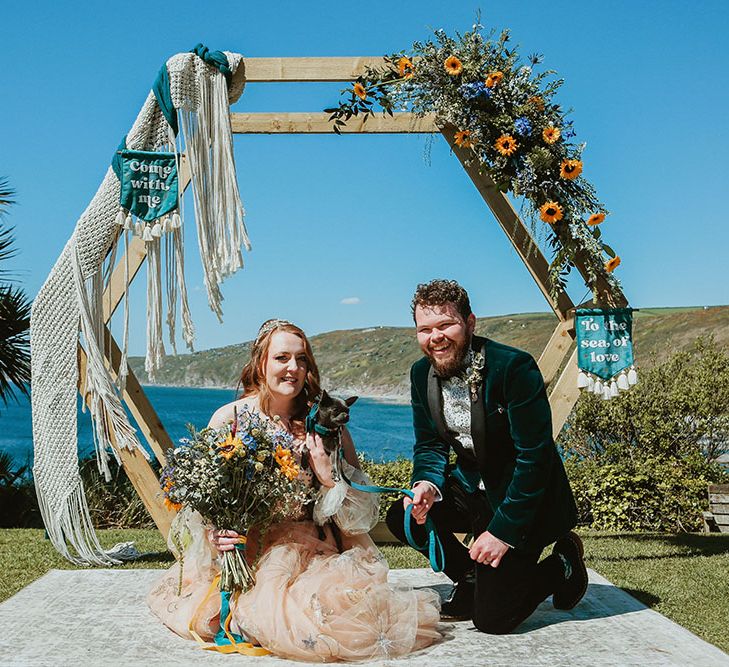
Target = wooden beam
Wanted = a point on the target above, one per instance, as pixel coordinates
(565, 395)
(136, 466)
(139, 405)
(556, 349)
(114, 292)
(509, 220)
(319, 123)
(308, 69)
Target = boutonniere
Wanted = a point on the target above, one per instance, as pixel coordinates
(473, 374)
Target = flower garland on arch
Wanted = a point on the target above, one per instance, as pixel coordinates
(504, 111)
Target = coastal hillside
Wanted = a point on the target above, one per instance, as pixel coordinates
(375, 361)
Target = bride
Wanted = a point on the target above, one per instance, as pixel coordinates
(321, 591)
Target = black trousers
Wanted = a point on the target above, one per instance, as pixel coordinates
(506, 595)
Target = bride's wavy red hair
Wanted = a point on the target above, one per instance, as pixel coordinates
(253, 375)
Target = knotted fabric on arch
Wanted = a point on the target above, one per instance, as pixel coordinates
(195, 94)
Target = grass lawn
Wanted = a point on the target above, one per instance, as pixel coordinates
(684, 577)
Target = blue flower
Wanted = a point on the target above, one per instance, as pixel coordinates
(568, 131)
(474, 92)
(523, 126)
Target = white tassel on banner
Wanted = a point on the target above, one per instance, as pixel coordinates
(632, 376)
(623, 381)
(138, 228)
(613, 389)
(590, 383)
(147, 234)
(598, 387)
(120, 218)
(606, 391)
(582, 380)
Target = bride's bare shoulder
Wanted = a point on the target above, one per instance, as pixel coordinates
(226, 413)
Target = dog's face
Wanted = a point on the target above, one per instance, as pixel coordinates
(334, 412)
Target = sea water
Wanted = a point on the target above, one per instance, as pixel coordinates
(383, 431)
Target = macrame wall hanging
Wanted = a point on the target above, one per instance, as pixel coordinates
(187, 112)
(605, 350)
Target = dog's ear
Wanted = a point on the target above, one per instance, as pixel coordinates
(350, 401)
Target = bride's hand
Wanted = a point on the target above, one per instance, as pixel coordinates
(321, 462)
(223, 540)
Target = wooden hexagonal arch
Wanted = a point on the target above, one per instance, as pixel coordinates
(563, 384)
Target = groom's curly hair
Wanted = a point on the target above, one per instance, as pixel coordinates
(438, 292)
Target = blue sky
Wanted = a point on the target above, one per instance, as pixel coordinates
(367, 218)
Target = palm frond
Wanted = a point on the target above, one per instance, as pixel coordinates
(14, 343)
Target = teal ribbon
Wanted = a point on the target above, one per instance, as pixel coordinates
(436, 555)
(313, 426)
(215, 58)
(221, 639)
(161, 87)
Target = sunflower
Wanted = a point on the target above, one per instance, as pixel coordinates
(405, 67)
(595, 219)
(612, 264)
(494, 79)
(570, 169)
(537, 102)
(462, 139)
(360, 91)
(453, 66)
(506, 144)
(229, 447)
(550, 134)
(171, 505)
(551, 212)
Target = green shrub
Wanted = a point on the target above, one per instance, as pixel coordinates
(648, 494)
(678, 408)
(643, 460)
(113, 504)
(18, 503)
(394, 474)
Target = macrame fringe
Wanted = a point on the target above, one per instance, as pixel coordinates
(70, 525)
(155, 343)
(608, 388)
(218, 210)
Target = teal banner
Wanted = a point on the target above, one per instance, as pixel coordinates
(604, 340)
(149, 183)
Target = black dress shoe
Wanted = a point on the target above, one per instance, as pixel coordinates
(570, 548)
(459, 606)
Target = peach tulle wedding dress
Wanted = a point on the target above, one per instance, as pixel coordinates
(311, 601)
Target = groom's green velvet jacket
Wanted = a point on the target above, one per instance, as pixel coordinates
(514, 453)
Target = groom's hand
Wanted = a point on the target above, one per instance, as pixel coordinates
(488, 549)
(424, 496)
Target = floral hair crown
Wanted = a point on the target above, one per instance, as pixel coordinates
(268, 326)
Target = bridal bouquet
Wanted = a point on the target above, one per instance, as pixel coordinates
(238, 477)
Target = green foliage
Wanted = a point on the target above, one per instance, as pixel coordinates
(113, 504)
(18, 504)
(14, 315)
(679, 408)
(642, 461)
(642, 494)
(393, 474)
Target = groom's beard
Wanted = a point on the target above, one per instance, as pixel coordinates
(454, 363)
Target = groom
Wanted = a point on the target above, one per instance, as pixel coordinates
(486, 402)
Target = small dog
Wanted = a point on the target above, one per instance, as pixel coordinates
(331, 417)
